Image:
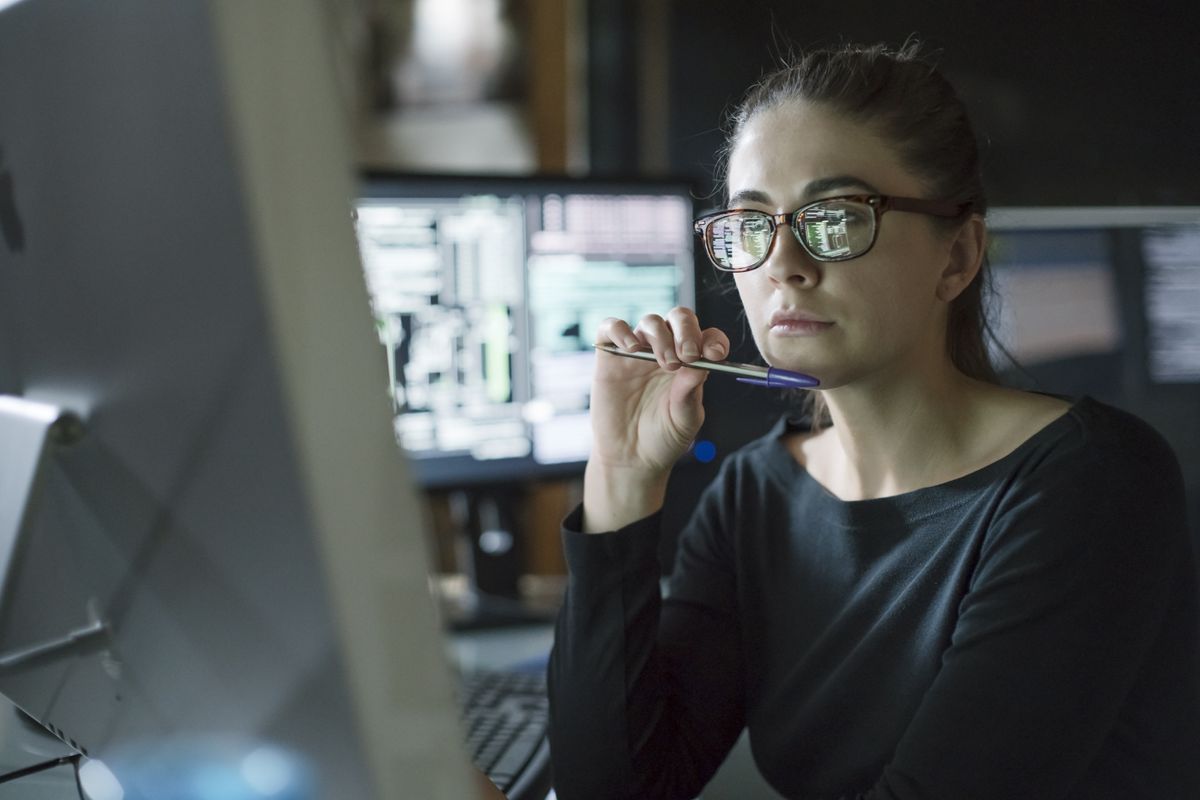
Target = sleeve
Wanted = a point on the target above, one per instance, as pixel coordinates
(1070, 592)
(645, 694)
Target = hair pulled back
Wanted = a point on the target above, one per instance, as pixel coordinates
(903, 98)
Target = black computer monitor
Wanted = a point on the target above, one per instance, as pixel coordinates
(1056, 310)
(1099, 300)
(487, 293)
(214, 566)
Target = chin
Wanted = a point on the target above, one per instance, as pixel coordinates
(792, 354)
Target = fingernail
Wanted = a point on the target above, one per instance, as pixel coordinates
(690, 350)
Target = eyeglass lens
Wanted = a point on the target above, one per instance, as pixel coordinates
(832, 231)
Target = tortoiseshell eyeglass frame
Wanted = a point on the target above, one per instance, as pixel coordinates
(878, 203)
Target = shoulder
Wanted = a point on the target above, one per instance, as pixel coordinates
(1104, 438)
(1046, 436)
(1115, 429)
(1098, 478)
(1095, 500)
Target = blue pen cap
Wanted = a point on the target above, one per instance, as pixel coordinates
(783, 379)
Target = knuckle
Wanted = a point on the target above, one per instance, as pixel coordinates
(651, 322)
(683, 316)
(608, 327)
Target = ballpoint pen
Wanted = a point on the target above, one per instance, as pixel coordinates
(746, 373)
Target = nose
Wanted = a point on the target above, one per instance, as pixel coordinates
(787, 260)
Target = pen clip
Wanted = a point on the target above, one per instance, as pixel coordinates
(755, 381)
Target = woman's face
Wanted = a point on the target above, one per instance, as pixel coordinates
(874, 314)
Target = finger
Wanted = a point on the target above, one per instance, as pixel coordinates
(655, 331)
(686, 327)
(715, 344)
(617, 331)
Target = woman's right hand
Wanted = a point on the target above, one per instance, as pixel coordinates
(644, 414)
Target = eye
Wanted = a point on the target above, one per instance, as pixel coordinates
(755, 234)
(838, 229)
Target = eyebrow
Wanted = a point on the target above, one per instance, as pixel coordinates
(813, 188)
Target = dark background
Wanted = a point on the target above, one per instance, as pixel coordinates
(1074, 103)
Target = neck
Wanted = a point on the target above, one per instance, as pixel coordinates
(901, 431)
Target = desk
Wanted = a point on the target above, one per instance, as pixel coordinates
(502, 648)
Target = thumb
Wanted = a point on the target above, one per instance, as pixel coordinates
(687, 398)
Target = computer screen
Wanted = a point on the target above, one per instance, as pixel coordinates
(221, 584)
(1058, 290)
(1100, 300)
(1171, 259)
(487, 293)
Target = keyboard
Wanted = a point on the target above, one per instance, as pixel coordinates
(506, 714)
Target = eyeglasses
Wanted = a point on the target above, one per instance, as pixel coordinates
(831, 229)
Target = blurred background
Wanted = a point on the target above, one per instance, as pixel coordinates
(1088, 108)
(1075, 104)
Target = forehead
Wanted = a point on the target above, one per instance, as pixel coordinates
(782, 150)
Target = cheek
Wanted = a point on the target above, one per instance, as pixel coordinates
(754, 293)
(892, 301)
(907, 305)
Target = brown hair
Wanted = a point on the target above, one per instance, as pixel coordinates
(906, 100)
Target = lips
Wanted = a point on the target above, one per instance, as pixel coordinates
(795, 322)
(784, 315)
(790, 316)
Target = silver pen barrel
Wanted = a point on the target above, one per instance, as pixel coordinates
(746, 370)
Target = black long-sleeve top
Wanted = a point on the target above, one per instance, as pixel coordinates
(1026, 631)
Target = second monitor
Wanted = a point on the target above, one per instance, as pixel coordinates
(487, 293)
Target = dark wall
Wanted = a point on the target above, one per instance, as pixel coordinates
(1075, 103)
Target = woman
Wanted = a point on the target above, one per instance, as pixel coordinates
(932, 587)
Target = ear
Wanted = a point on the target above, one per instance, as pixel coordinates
(966, 256)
